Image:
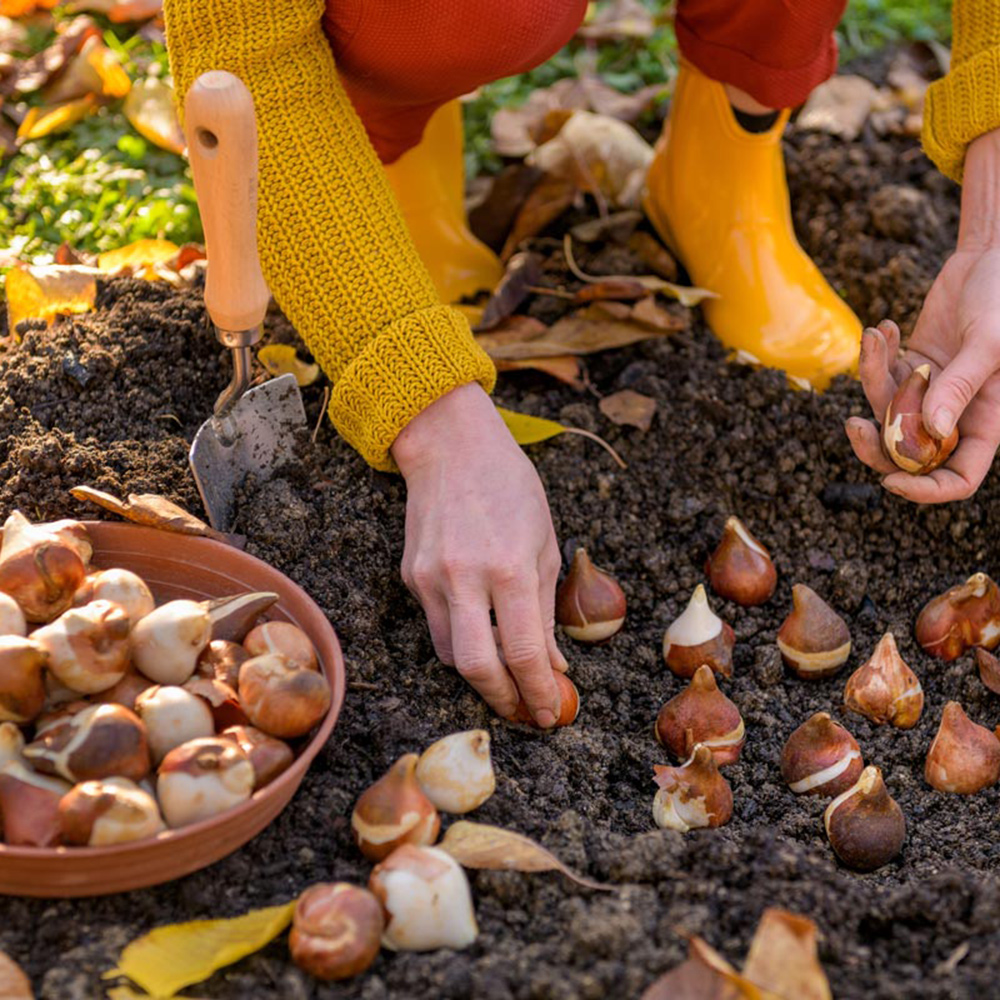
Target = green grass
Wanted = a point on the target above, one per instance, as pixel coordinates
(101, 185)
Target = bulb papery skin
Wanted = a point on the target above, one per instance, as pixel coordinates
(166, 643)
(699, 636)
(590, 604)
(103, 741)
(814, 640)
(203, 778)
(989, 670)
(905, 438)
(336, 931)
(281, 698)
(394, 811)
(22, 682)
(286, 640)
(569, 704)
(29, 806)
(456, 772)
(12, 621)
(113, 811)
(426, 900)
(865, 825)
(11, 744)
(965, 616)
(740, 569)
(43, 565)
(88, 646)
(693, 795)
(119, 586)
(221, 660)
(172, 716)
(964, 757)
(885, 689)
(821, 758)
(268, 755)
(701, 713)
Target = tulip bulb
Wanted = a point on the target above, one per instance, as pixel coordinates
(12, 620)
(286, 640)
(29, 806)
(885, 689)
(11, 744)
(88, 647)
(222, 701)
(166, 643)
(112, 811)
(221, 660)
(119, 586)
(701, 713)
(907, 441)
(103, 741)
(394, 811)
(172, 716)
(280, 698)
(740, 569)
(22, 685)
(821, 758)
(967, 615)
(268, 755)
(336, 930)
(865, 825)
(41, 568)
(814, 640)
(456, 772)
(989, 670)
(201, 779)
(699, 636)
(126, 691)
(569, 704)
(426, 900)
(590, 605)
(964, 756)
(693, 795)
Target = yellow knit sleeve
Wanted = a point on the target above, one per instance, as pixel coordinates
(966, 103)
(333, 246)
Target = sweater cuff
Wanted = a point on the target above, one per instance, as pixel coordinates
(410, 364)
(960, 108)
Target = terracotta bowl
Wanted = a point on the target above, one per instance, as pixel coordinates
(182, 566)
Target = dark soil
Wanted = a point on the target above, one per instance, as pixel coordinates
(726, 440)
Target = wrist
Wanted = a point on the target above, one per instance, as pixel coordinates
(451, 422)
(980, 222)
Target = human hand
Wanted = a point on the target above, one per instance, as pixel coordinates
(958, 335)
(479, 536)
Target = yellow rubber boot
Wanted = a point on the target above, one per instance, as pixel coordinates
(429, 182)
(718, 196)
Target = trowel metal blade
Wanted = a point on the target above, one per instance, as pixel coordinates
(257, 435)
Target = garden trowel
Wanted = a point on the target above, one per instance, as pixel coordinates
(253, 430)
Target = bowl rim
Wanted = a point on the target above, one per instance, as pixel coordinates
(335, 674)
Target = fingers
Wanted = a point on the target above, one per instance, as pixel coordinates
(548, 578)
(957, 480)
(867, 445)
(956, 386)
(526, 646)
(439, 623)
(476, 655)
(877, 354)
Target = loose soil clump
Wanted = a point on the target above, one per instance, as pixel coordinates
(112, 400)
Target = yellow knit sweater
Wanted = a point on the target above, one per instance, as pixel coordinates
(966, 103)
(333, 246)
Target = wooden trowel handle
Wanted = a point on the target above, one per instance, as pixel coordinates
(222, 146)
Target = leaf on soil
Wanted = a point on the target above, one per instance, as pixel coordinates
(32, 74)
(523, 271)
(840, 106)
(151, 110)
(479, 845)
(138, 258)
(783, 958)
(14, 984)
(41, 121)
(566, 368)
(618, 20)
(95, 69)
(492, 213)
(618, 289)
(629, 408)
(549, 198)
(152, 511)
(119, 11)
(177, 955)
(281, 359)
(526, 430)
(706, 975)
(653, 254)
(47, 292)
(617, 227)
(600, 155)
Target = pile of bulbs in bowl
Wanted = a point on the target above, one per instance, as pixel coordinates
(120, 719)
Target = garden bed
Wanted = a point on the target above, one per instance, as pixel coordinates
(112, 400)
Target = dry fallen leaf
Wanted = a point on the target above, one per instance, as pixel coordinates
(523, 271)
(840, 106)
(549, 198)
(783, 958)
(525, 429)
(14, 984)
(32, 74)
(620, 289)
(47, 292)
(95, 69)
(706, 975)
(615, 228)
(138, 257)
(516, 131)
(478, 845)
(630, 408)
(177, 955)
(565, 368)
(654, 255)
(119, 11)
(618, 20)
(42, 121)
(280, 359)
(150, 108)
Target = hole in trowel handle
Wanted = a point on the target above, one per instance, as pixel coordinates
(207, 139)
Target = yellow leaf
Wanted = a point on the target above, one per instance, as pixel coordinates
(40, 122)
(169, 958)
(141, 255)
(783, 957)
(47, 292)
(150, 108)
(280, 359)
(529, 430)
(115, 81)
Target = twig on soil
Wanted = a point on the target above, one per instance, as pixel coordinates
(362, 686)
(604, 444)
(556, 292)
(322, 412)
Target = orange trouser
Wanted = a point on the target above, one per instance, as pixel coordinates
(402, 59)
